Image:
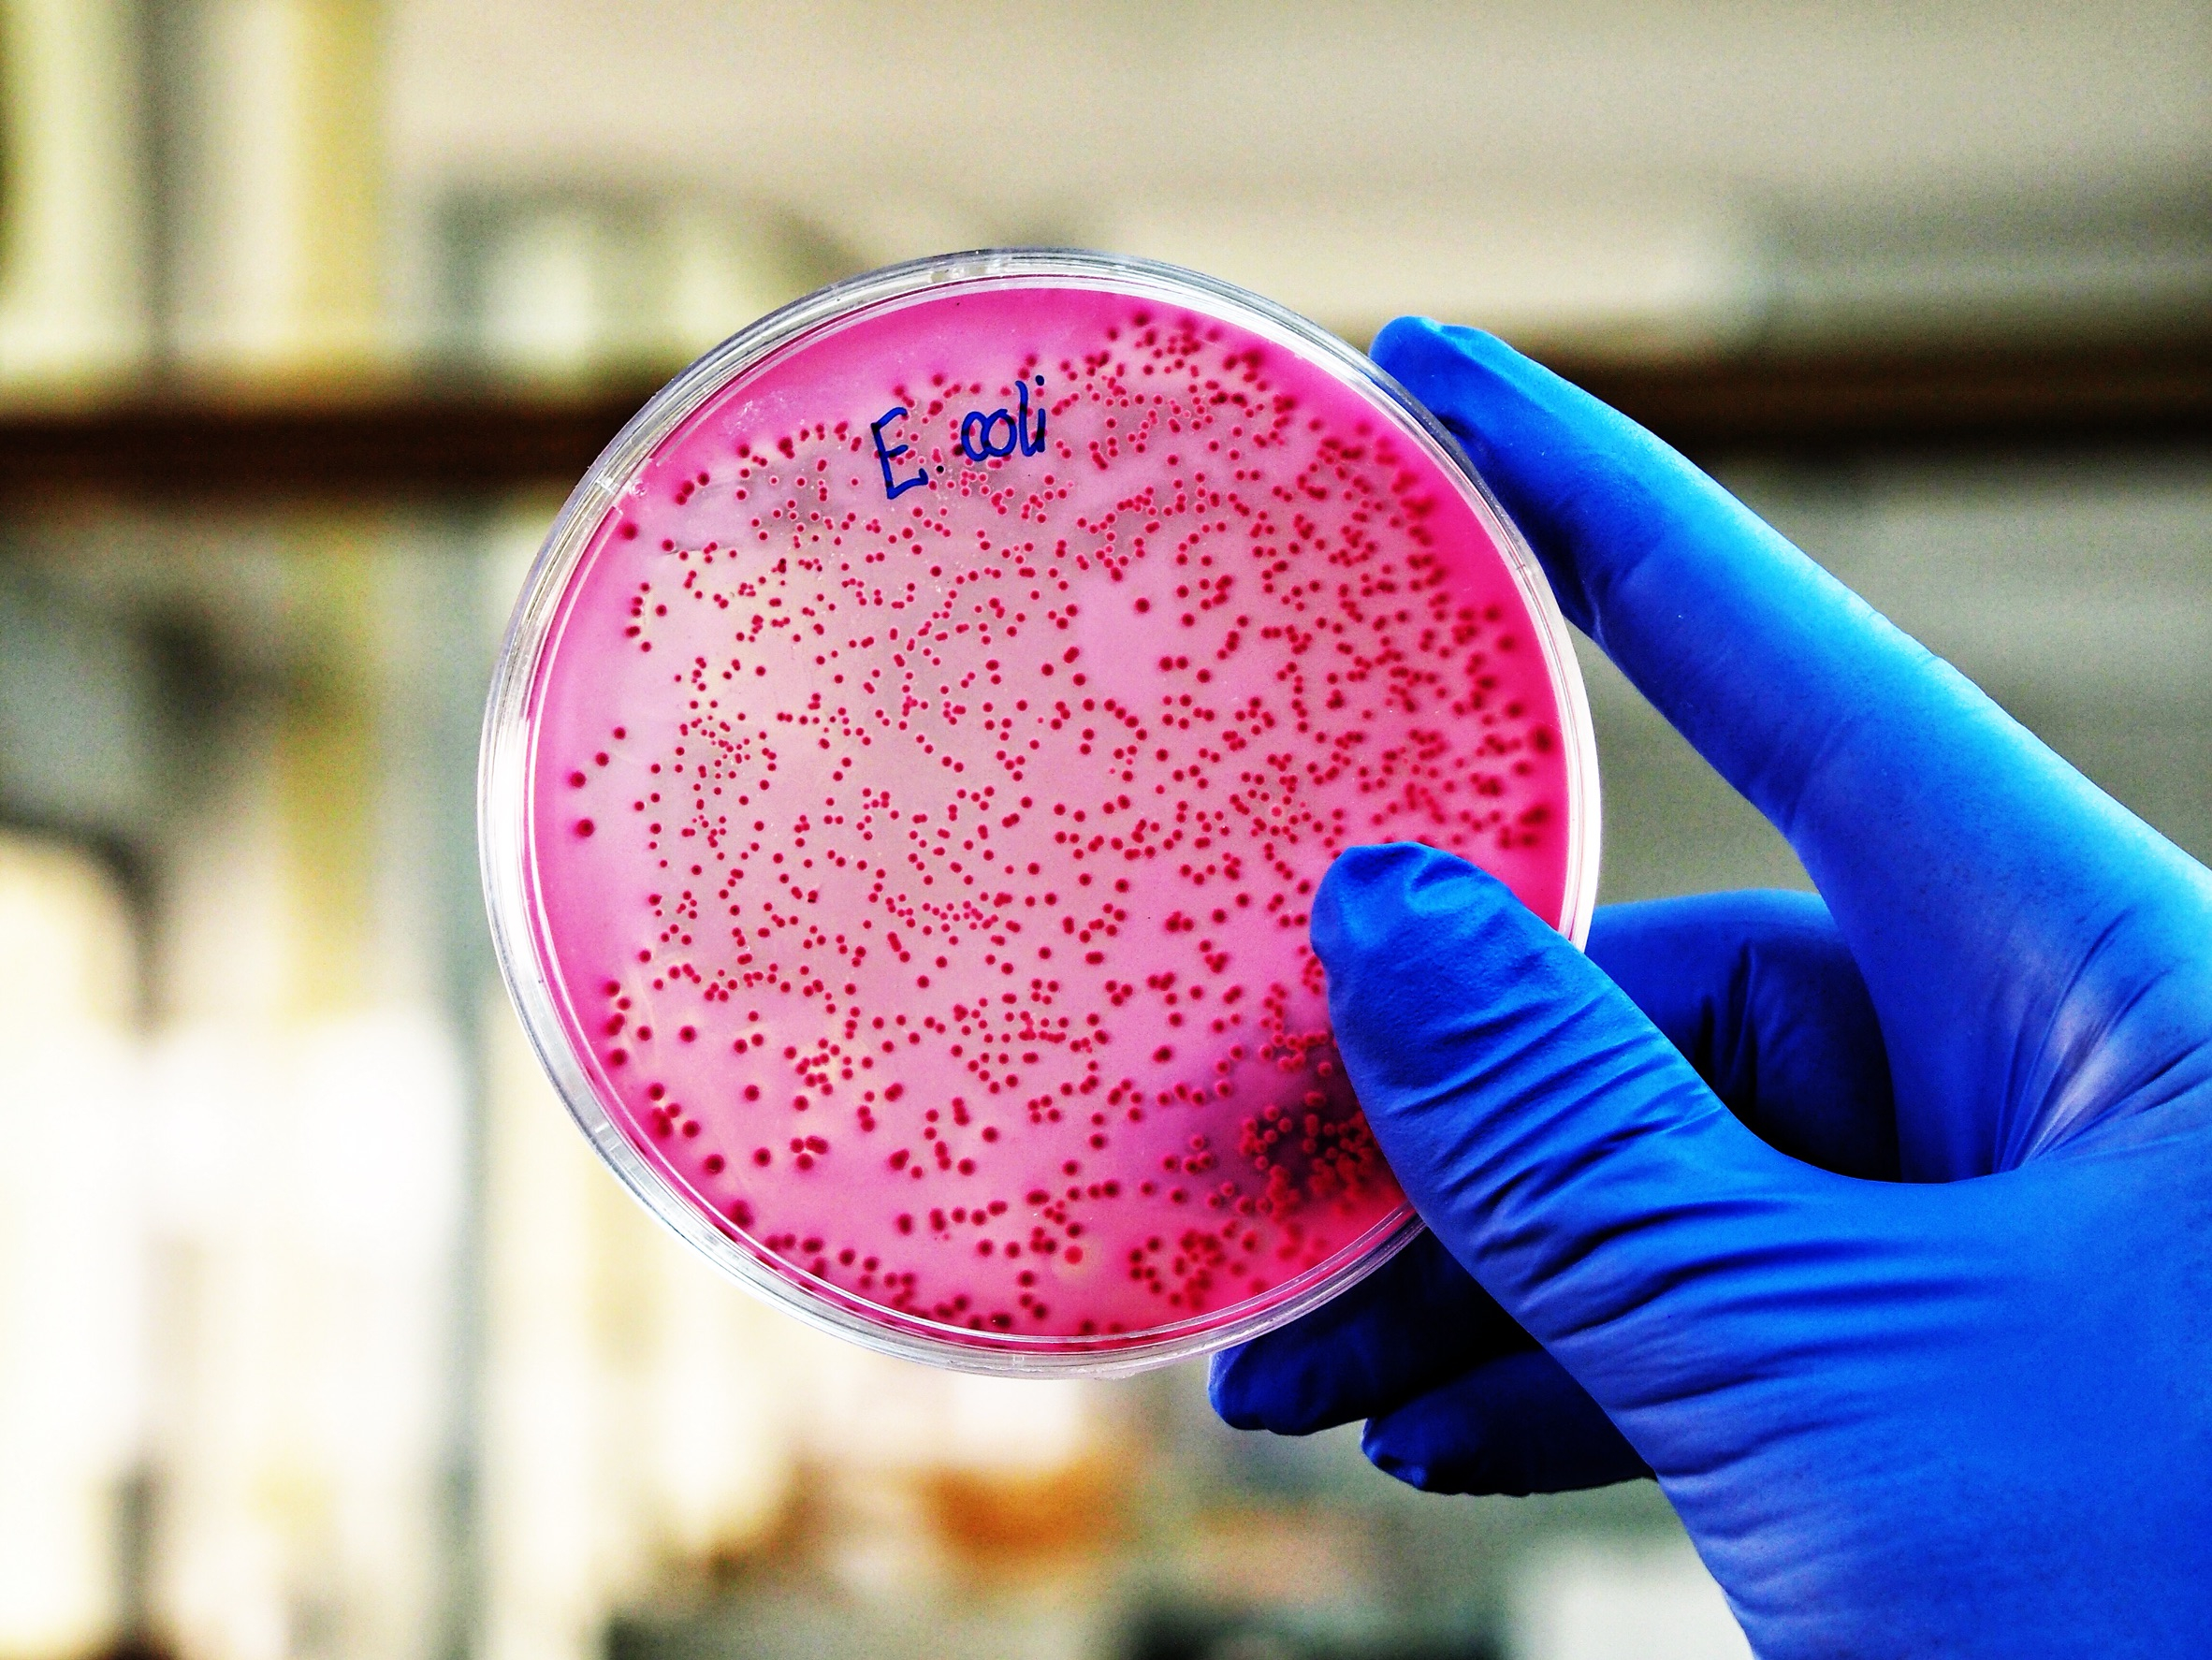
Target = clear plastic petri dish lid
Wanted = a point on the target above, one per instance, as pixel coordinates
(910, 765)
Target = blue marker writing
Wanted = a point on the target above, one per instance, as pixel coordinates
(894, 487)
(1031, 447)
(977, 439)
(986, 437)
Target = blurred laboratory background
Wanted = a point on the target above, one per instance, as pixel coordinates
(323, 1336)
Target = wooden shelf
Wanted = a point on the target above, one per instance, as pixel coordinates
(422, 443)
(400, 445)
(2118, 392)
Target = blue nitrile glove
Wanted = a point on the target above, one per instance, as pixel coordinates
(1964, 1412)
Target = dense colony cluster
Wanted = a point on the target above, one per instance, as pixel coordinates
(927, 805)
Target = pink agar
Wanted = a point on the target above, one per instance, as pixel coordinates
(924, 875)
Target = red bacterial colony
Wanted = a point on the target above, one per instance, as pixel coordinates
(926, 812)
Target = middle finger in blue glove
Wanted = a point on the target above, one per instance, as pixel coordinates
(1760, 994)
(1416, 1321)
(1515, 1425)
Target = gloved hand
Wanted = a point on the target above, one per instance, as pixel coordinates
(1880, 1228)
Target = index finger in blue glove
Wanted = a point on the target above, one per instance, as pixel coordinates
(2070, 923)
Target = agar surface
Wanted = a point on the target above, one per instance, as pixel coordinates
(937, 755)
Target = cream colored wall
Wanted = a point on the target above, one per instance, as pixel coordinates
(593, 183)
(279, 175)
(1599, 171)
(72, 276)
(73, 1306)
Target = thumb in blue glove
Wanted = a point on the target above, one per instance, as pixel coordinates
(1967, 1411)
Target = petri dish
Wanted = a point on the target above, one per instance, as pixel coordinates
(911, 761)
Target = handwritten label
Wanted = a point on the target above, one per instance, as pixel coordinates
(985, 435)
(886, 453)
